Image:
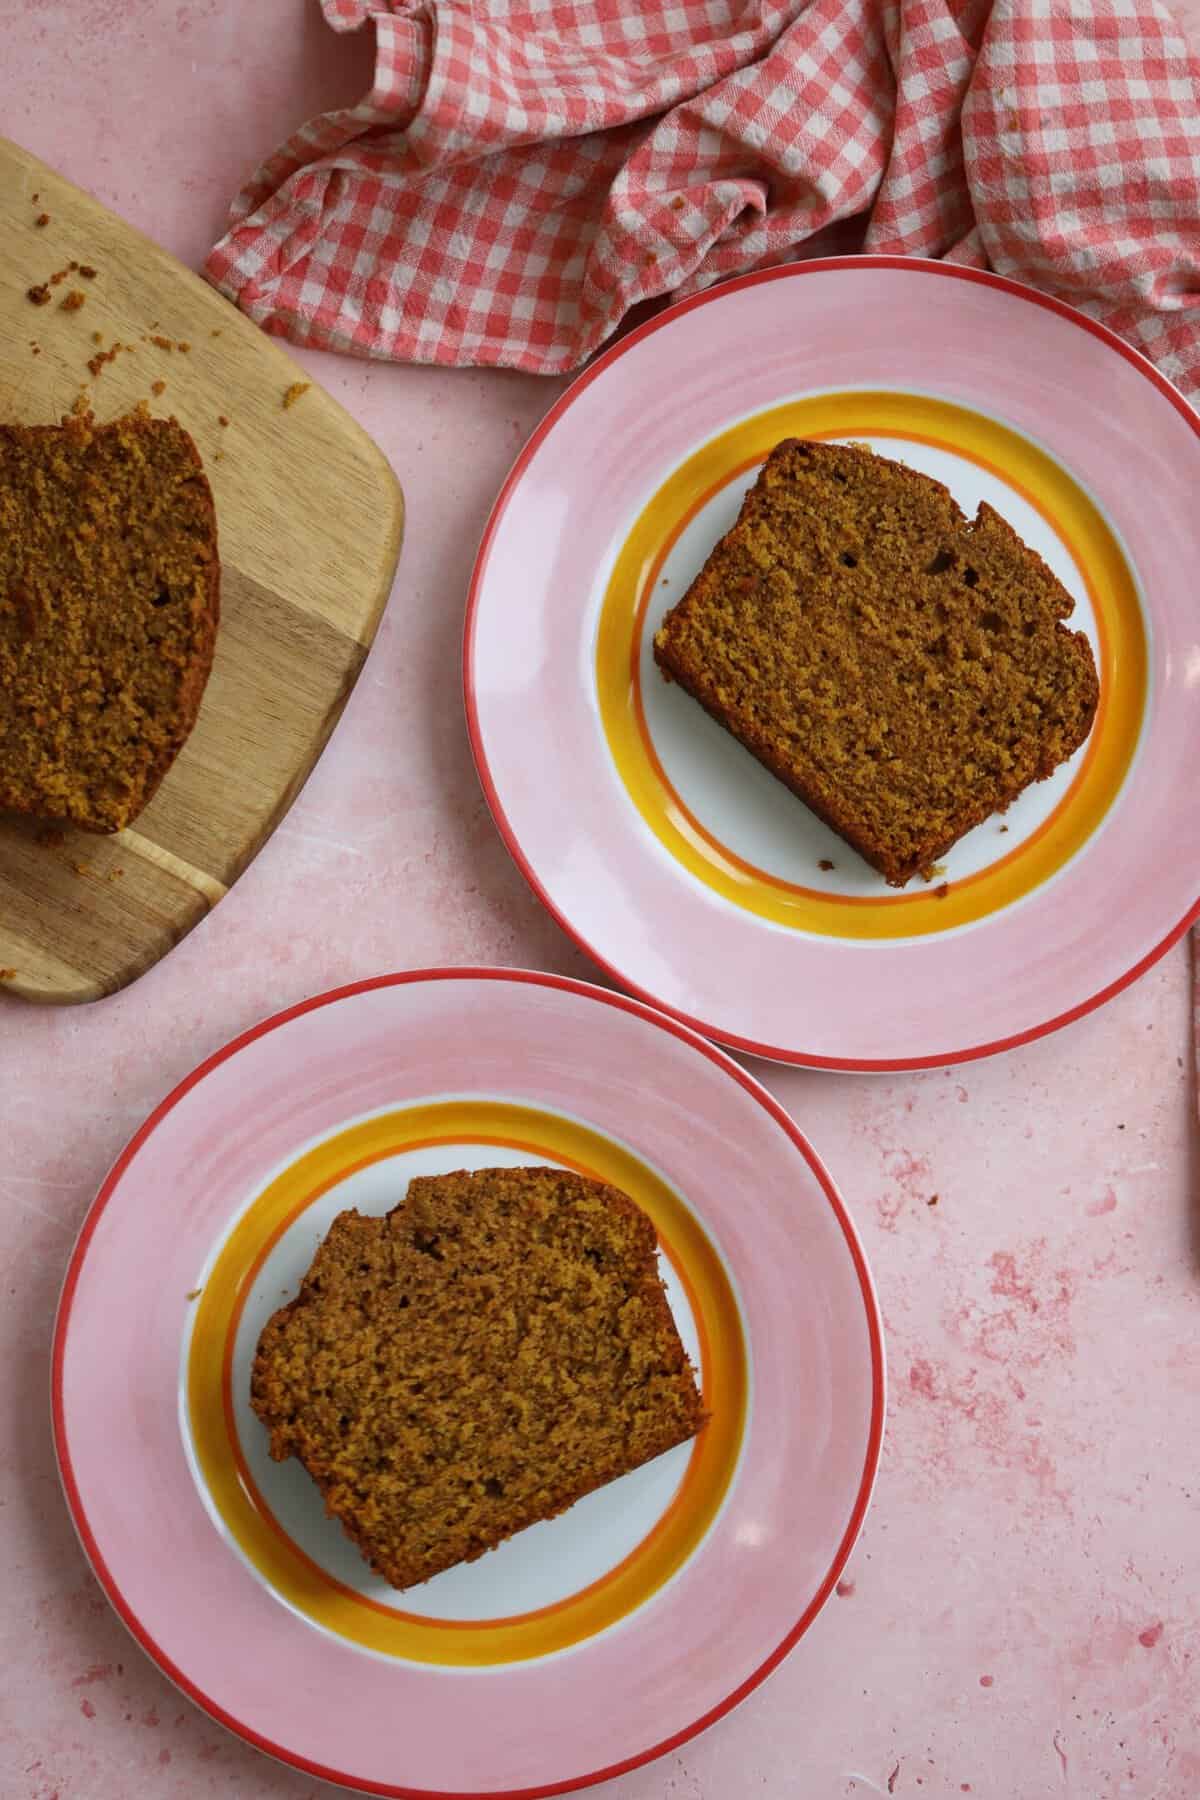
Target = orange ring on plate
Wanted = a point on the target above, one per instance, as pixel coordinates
(285, 1567)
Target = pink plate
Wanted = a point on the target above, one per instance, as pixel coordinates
(670, 1593)
(684, 869)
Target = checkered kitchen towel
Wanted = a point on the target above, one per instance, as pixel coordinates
(524, 172)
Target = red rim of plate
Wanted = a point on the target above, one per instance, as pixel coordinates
(789, 272)
(74, 1498)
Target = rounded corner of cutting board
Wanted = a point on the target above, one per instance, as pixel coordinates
(84, 995)
(61, 986)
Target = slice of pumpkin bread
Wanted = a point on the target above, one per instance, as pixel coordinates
(109, 599)
(901, 668)
(492, 1349)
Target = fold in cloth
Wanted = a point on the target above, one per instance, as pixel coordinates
(524, 173)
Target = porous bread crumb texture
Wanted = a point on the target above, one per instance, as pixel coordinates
(109, 598)
(901, 668)
(497, 1346)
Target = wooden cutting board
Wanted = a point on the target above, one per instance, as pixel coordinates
(309, 516)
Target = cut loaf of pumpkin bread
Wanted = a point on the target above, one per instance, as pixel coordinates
(109, 599)
(901, 668)
(492, 1349)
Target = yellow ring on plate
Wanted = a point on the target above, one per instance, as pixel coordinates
(280, 1561)
(1066, 508)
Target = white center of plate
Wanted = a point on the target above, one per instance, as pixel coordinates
(539, 1566)
(744, 807)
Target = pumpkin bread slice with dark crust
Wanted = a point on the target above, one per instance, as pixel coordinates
(495, 1347)
(109, 600)
(901, 668)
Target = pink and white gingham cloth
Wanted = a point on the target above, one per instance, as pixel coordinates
(525, 172)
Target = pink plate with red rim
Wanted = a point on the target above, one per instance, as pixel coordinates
(670, 855)
(669, 1593)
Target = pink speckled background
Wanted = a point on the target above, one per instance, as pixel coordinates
(1022, 1615)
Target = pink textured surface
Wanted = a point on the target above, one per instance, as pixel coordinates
(1020, 1615)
